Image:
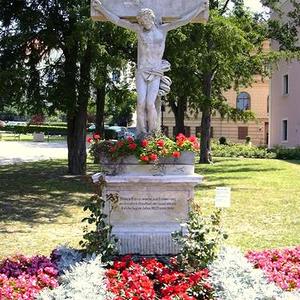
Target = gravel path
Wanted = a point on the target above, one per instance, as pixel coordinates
(18, 152)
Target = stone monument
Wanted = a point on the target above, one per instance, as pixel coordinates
(151, 83)
(153, 199)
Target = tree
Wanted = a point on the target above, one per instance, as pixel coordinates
(48, 51)
(225, 53)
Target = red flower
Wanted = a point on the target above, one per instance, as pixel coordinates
(113, 149)
(160, 143)
(132, 146)
(89, 140)
(180, 137)
(96, 136)
(130, 139)
(176, 154)
(153, 157)
(192, 139)
(144, 158)
(112, 273)
(144, 143)
(120, 144)
(119, 265)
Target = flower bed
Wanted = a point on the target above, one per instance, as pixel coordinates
(280, 266)
(230, 277)
(23, 278)
(149, 279)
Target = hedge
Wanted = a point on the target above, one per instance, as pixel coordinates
(240, 150)
(48, 130)
(287, 153)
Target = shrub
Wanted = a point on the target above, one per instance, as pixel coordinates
(287, 153)
(239, 150)
(64, 257)
(99, 240)
(48, 130)
(201, 241)
(85, 280)
(37, 119)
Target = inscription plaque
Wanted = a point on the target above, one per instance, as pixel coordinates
(145, 203)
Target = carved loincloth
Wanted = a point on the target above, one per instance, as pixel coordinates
(153, 73)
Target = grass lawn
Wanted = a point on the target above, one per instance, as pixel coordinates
(265, 210)
(41, 207)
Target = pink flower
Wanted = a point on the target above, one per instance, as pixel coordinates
(96, 136)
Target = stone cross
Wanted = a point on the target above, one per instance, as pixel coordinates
(150, 20)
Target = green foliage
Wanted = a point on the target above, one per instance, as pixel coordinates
(241, 150)
(199, 245)
(120, 105)
(48, 130)
(52, 56)
(287, 153)
(99, 240)
(224, 54)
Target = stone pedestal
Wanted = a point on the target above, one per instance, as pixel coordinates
(149, 209)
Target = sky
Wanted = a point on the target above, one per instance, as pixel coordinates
(254, 5)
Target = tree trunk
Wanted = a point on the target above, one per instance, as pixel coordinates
(205, 136)
(179, 111)
(77, 121)
(100, 103)
(206, 122)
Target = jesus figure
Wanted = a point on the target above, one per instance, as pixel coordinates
(150, 80)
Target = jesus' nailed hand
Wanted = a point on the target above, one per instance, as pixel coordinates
(150, 79)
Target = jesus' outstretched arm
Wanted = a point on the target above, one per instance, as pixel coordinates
(98, 6)
(187, 18)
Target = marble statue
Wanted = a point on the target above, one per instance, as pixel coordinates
(151, 83)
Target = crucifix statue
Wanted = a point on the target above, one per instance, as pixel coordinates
(151, 29)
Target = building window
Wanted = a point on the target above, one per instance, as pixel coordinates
(268, 104)
(243, 101)
(242, 133)
(285, 84)
(212, 132)
(284, 130)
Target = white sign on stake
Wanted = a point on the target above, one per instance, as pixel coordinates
(223, 197)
